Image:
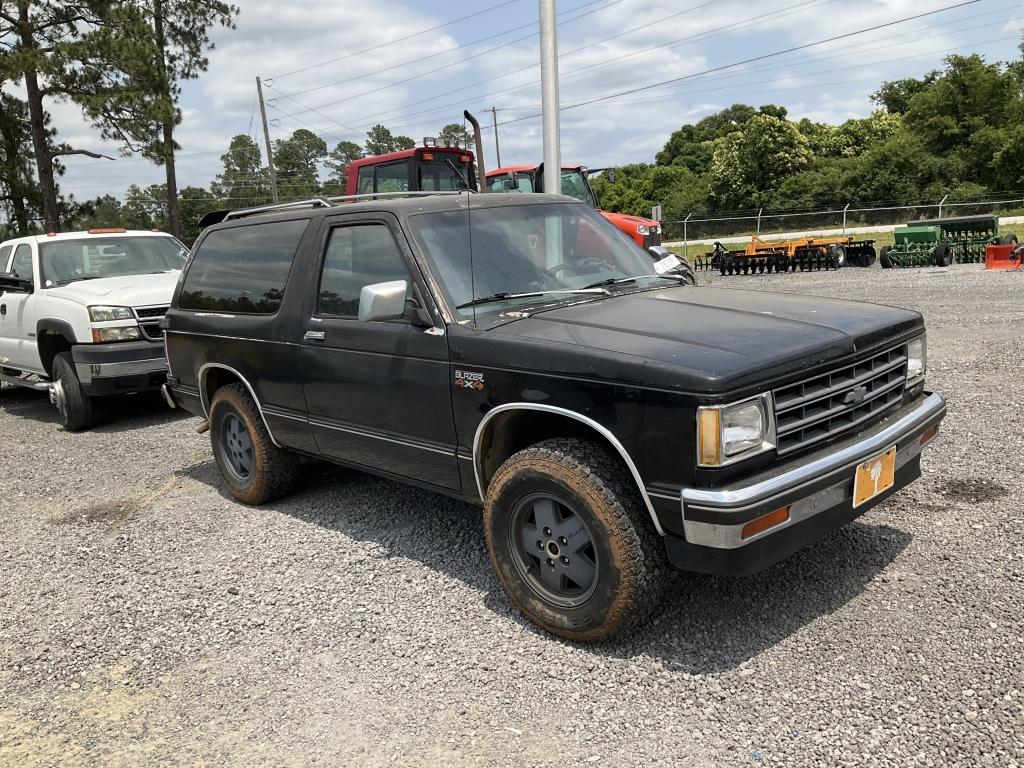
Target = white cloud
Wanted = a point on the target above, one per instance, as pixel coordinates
(830, 82)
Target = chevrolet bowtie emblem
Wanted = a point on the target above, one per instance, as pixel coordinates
(854, 396)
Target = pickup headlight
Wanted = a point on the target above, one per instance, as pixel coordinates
(123, 333)
(102, 314)
(730, 433)
(917, 359)
(641, 229)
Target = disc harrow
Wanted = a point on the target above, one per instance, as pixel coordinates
(801, 255)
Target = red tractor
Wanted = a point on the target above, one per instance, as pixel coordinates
(421, 169)
(530, 178)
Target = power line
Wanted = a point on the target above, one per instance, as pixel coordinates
(439, 53)
(707, 34)
(617, 94)
(485, 52)
(396, 40)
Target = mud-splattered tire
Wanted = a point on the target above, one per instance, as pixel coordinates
(255, 470)
(73, 405)
(570, 507)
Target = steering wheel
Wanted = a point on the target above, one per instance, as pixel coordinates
(573, 267)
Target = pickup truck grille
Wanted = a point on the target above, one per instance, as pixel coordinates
(149, 321)
(826, 407)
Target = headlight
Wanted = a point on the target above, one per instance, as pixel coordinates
(731, 433)
(642, 229)
(124, 333)
(106, 314)
(917, 359)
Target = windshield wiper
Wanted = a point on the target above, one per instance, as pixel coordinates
(494, 297)
(620, 280)
(76, 279)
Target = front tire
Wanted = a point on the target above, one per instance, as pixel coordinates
(73, 405)
(942, 254)
(255, 470)
(571, 540)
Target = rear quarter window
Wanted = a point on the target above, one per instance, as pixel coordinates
(243, 269)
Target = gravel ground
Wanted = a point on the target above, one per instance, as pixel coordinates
(145, 618)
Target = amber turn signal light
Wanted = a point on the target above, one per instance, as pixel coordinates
(763, 523)
(928, 434)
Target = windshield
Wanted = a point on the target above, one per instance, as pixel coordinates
(545, 250)
(503, 183)
(574, 184)
(65, 261)
(450, 174)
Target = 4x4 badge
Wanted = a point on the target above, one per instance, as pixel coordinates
(469, 380)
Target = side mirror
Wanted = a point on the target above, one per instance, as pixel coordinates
(610, 175)
(382, 301)
(11, 283)
(510, 183)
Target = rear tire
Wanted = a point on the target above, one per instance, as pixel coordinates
(571, 541)
(942, 255)
(883, 257)
(1010, 239)
(73, 405)
(255, 470)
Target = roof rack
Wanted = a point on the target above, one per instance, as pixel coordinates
(215, 217)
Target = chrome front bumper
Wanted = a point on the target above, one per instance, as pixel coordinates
(715, 517)
(89, 371)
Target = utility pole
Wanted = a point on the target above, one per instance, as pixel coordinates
(549, 97)
(497, 149)
(266, 138)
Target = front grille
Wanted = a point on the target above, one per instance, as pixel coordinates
(149, 321)
(831, 405)
(145, 313)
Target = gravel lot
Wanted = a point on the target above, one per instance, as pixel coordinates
(147, 619)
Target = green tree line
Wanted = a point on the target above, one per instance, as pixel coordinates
(957, 131)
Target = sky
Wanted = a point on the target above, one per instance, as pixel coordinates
(340, 67)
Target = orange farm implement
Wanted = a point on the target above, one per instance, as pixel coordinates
(1004, 256)
(799, 255)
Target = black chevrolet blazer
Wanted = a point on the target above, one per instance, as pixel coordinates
(518, 352)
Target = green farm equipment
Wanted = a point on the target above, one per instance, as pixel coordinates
(941, 242)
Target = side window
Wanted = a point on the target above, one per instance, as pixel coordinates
(5, 254)
(357, 255)
(365, 180)
(22, 264)
(393, 177)
(243, 269)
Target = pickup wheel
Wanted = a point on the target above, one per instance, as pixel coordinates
(73, 405)
(571, 541)
(254, 469)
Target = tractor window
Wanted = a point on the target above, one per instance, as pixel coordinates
(575, 185)
(393, 177)
(524, 183)
(365, 180)
(442, 177)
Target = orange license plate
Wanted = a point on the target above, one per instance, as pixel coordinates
(874, 476)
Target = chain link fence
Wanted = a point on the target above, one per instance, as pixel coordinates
(700, 228)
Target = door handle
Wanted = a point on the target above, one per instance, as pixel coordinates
(314, 336)
(3, 309)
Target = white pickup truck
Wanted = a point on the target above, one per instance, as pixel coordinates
(80, 314)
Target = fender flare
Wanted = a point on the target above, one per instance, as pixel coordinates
(586, 420)
(60, 327)
(204, 401)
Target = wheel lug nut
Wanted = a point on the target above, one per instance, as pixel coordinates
(547, 531)
(565, 560)
(540, 544)
(562, 540)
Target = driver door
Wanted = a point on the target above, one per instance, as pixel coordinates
(18, 347)
(378, 393)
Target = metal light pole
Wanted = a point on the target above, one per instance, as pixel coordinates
(549, 97)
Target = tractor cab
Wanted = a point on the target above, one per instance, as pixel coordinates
(575, 183)
(429, 168)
